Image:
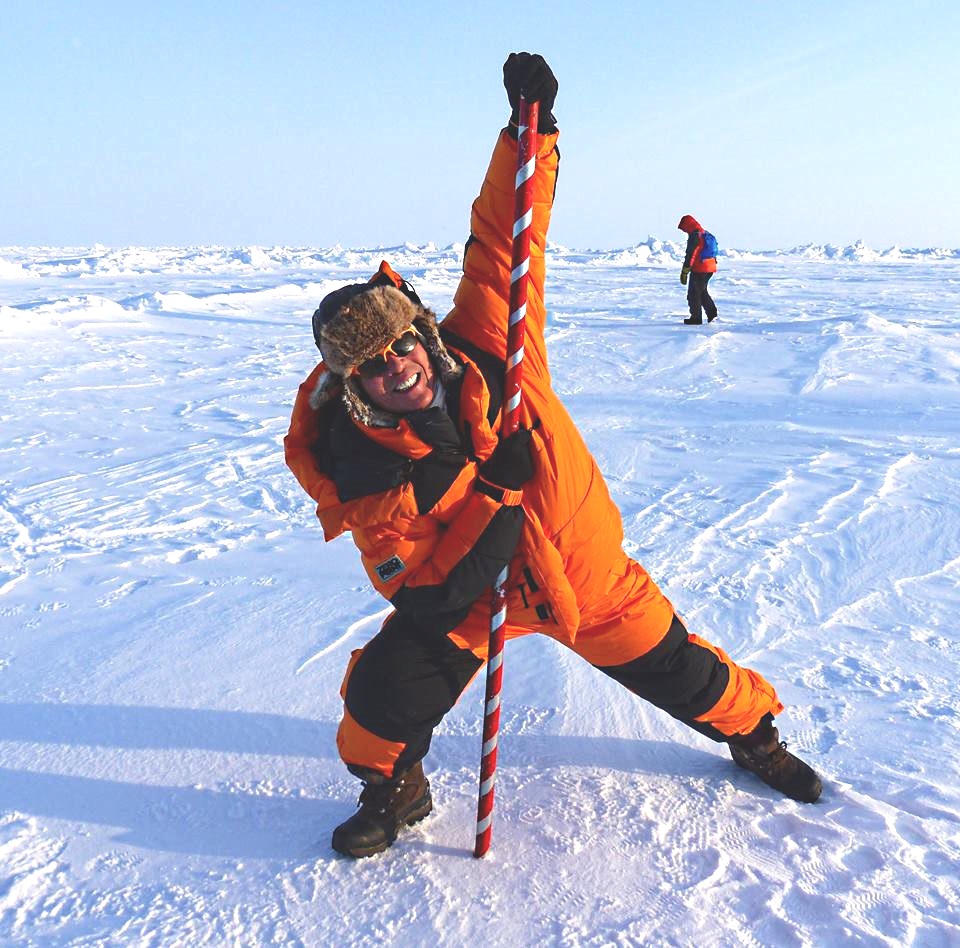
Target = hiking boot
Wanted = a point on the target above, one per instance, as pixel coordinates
(385, 808)
(764, 754)
(710, 318)
(693, 321)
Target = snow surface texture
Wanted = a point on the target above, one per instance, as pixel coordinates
(174, 629)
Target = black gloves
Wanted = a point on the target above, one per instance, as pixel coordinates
(511, 464)
(529, 73)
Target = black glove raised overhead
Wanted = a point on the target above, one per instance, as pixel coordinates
(529, 74)
(511, 464)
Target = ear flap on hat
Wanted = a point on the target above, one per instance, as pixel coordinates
(331, 304)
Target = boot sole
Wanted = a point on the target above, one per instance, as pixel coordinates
(421, 808)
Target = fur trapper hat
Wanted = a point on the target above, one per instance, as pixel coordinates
(356, 322)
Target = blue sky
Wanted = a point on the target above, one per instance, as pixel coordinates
(366, 124)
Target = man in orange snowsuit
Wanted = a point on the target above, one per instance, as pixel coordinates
(394, 435)
(696, 271)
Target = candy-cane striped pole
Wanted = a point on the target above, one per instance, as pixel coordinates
(512, 397)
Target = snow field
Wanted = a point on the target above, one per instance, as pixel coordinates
(173, 630)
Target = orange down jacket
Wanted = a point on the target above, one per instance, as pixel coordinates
(572, 533)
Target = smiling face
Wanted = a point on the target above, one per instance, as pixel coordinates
(407, 383)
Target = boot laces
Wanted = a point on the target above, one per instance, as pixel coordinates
(773, 759)
(379, 795)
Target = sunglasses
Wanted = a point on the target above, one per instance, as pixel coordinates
(401, 346)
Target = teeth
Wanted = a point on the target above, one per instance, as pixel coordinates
(410, 382)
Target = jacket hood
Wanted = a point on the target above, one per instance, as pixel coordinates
(688, 224)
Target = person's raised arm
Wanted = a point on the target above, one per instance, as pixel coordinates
(482, 300)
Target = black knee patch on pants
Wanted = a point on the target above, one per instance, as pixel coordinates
(405, 681)
(678, 676)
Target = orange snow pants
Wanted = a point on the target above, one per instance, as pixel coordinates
(400, 685)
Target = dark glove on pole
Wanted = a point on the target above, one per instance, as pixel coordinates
(528, 74)
(511, 464)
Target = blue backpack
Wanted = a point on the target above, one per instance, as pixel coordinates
(710, 247)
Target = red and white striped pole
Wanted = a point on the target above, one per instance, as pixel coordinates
(512, 397)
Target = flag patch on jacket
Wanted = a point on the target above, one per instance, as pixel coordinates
(389, 568)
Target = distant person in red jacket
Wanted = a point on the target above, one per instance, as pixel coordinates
(699, 264)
